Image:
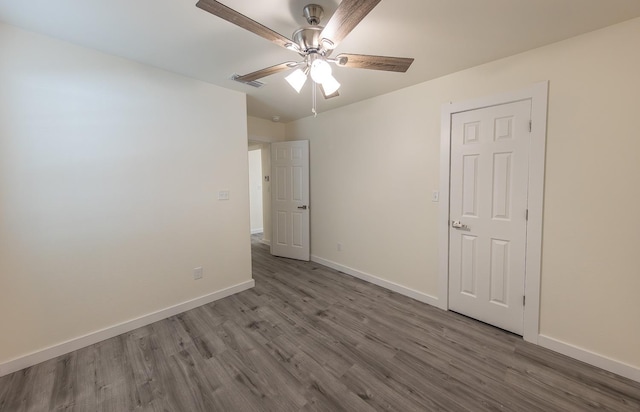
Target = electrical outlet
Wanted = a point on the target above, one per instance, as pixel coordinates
(339, 247)
(197, 273)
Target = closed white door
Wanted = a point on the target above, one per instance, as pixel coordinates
(488, 213)
(290, 199)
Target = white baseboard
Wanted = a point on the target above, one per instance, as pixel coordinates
(600, 361)
(115, 330)
(603, 362)
(256, 231)
(403, 290)
(266, 242)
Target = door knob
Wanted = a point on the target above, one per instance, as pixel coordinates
(303, 207)
(456, 224)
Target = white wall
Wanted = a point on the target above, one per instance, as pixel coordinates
(255, 190)
(373, 173)
(109, 172)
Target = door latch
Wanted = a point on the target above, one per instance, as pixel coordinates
(456, 224)
(303, 207)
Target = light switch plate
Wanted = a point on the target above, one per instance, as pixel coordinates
(435, 196)
(223, 195)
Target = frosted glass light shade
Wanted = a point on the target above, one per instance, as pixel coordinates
(330, 85)
(297, 79)
(320, 71)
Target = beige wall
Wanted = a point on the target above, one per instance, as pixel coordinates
(255, 189)
(375, 163)
(261, 130)
(109, 172)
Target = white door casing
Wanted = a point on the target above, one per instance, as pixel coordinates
(488, 206)
(290, 199)
(538, 95)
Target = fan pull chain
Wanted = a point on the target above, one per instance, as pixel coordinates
(313, 98)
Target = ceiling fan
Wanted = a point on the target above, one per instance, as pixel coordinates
(314, 43)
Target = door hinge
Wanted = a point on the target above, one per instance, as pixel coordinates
(524, 298)
(526, 215)
(530, 126)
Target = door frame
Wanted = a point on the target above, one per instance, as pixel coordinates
(538, 94)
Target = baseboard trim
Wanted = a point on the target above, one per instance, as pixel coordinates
(256, 231)
(94, 337)
(600, 361)
(403, 290)
(586, 356)
(266, 242)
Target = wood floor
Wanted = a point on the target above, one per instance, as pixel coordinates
(308, 338)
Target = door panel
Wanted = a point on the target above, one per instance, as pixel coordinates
(468, 265)
(470, 186)
(280, 183)
(290, 199)
(499, 277)
(297, 189)
(488, 202)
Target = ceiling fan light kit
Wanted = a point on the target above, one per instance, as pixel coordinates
(330, 86)
(320, 70)
(297, 79)
(314, 43)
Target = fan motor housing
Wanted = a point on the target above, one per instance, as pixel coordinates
(308, 38)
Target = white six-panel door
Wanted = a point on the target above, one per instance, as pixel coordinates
(488, 207)
(290, 199)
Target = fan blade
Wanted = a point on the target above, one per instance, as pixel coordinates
(232, 16)
(266, 72)
(335, 94)
(346, 17)
(364, 61)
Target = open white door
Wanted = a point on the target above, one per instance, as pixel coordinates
(290, 199)
(488, 213)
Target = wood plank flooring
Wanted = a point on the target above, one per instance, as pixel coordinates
(308, 338)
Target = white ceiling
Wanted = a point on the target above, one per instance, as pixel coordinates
(443, 36)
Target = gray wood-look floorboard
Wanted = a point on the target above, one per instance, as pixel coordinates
(308, 338)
